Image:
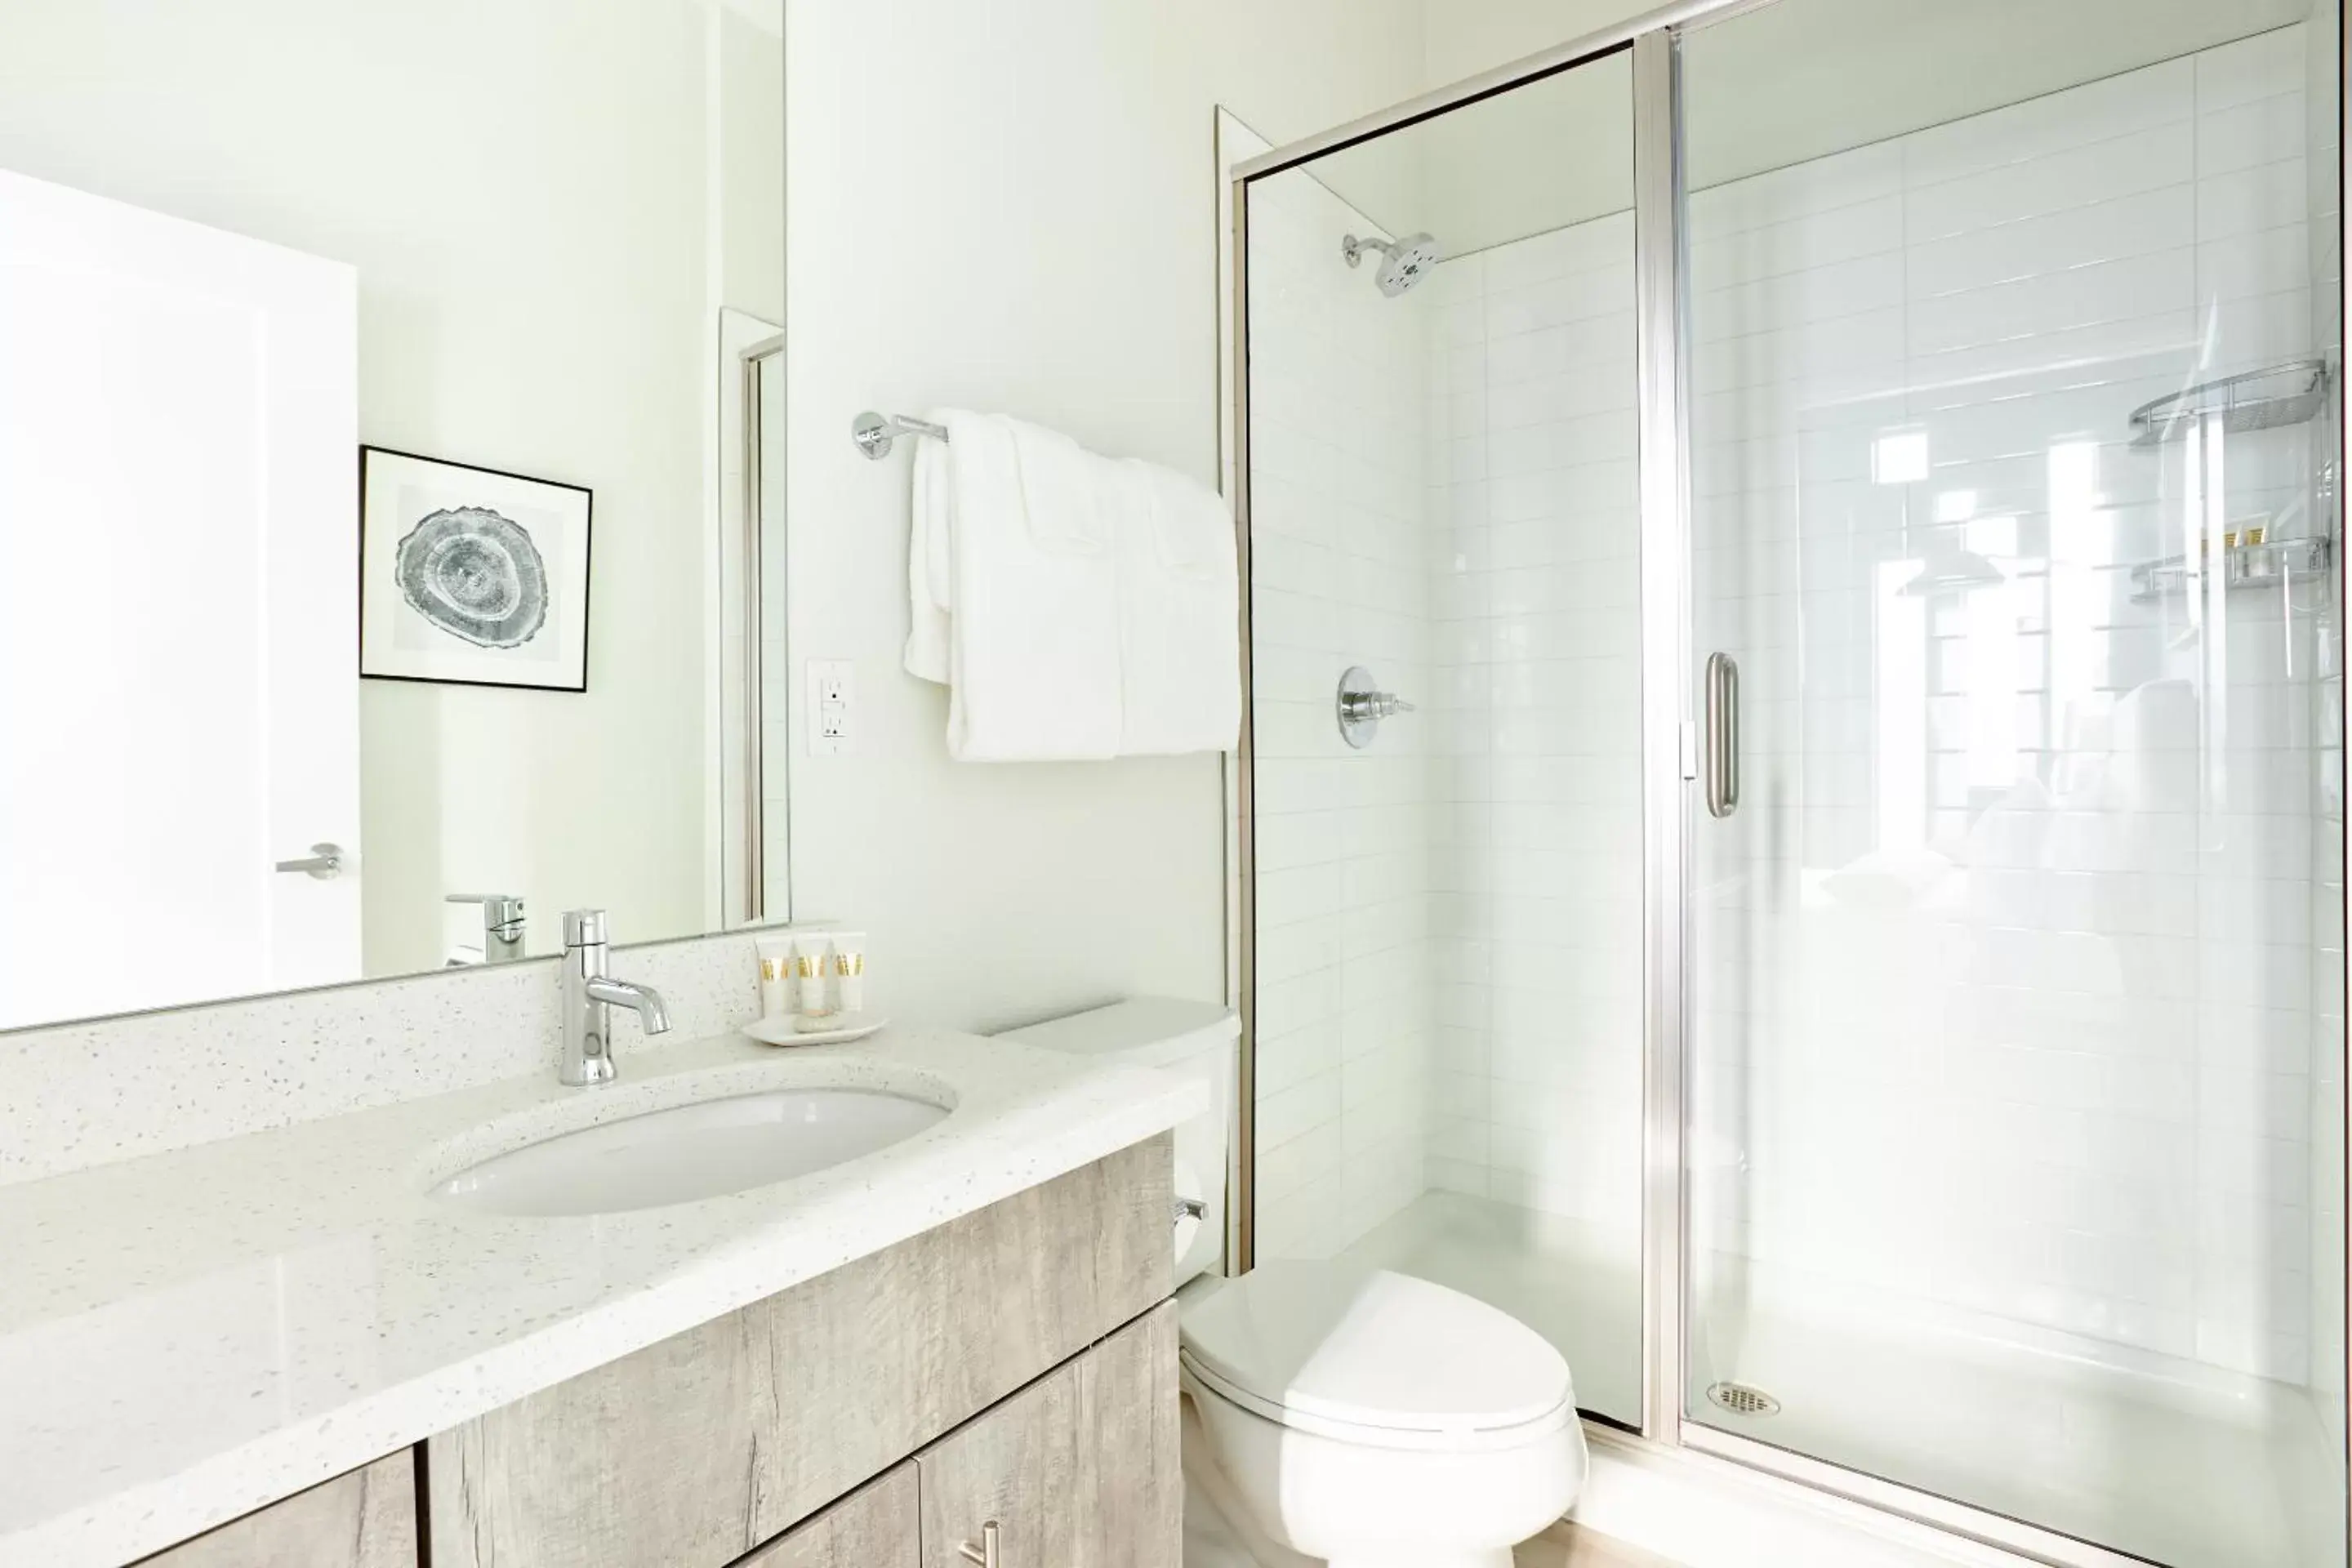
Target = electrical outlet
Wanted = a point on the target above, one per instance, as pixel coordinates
(832, 701)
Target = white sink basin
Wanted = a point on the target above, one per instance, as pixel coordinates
(699, 1150)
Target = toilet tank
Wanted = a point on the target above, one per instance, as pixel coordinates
(1198, 1039)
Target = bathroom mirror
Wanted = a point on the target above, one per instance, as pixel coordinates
(381, 477)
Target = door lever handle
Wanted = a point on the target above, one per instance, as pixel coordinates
(323, 864)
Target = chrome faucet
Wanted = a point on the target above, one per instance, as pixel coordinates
(502, 924)
(587, 998)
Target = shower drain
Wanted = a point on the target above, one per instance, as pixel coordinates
(1742, 1400)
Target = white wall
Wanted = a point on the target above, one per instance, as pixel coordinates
(1547, 157)
(1015, 206)
(542, 211)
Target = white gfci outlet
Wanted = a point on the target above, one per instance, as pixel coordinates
(832, 697)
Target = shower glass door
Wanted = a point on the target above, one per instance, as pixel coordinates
(1444, 927)
(2014, 1105)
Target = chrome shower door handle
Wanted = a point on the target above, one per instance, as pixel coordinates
(323, 864)
(985, 1552)
(1721, 765)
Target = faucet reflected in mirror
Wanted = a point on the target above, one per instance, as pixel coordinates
(503, 919)
(587, 996)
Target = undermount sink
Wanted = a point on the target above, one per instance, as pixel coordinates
(702, 1150)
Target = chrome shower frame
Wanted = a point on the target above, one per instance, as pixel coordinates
(1671, 714)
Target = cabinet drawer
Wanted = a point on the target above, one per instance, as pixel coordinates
(877, 1526)
(690, 1452)
(363, 1518)
(1078, 1470)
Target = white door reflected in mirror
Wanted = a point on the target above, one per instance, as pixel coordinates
(185, 704)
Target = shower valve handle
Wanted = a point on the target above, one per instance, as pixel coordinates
(1362, 705)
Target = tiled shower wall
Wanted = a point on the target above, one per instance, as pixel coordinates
(2006, 985)
(1342, 836)
(1537, 869)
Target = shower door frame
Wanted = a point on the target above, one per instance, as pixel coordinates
(1670, 755)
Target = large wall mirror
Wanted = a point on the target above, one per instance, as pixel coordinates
(382, 479)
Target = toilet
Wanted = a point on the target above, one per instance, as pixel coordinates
(1335, 1414)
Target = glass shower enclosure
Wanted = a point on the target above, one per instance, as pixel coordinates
(1847, 939)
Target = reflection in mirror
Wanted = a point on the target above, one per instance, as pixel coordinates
(380, 416)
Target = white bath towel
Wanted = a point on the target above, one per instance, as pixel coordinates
(1012, 591)
(1179, 614)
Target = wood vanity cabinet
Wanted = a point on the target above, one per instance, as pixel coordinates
(1076, 1470)
(1017, 1364)
(879, 1526)
(363, 1518)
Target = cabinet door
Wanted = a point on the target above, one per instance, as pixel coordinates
(365, 1519)
(690, 1452)
(1077, 1471)
(876, 1527)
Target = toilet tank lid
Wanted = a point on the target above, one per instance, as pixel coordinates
(1153, 1031)
(1370, 1347)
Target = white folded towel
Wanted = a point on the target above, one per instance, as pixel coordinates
(1013, 585)
(1179, 615)
(1076, 608)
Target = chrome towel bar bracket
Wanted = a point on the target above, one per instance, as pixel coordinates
(875, 433)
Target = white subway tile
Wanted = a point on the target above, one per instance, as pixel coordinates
(2259, 66)
(2125, 164)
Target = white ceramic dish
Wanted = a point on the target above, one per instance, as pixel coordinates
(847, 1026)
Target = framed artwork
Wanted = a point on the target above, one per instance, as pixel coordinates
(471, 576)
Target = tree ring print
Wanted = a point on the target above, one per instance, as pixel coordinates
(476, 575)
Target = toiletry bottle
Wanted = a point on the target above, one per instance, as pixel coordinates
(775, 976)
(849, 969)
(809, 966)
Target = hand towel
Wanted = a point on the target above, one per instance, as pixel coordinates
(927, 561)
(1012, 591)
(1179, 614)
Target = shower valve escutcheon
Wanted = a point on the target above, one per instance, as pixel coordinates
(1362, 705)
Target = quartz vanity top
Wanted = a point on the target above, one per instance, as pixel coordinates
(187, 1337)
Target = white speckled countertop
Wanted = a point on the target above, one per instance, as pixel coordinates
(186, 1337)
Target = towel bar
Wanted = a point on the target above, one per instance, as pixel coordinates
(874, 432)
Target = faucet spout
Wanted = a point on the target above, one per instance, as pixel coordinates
(653, 1012)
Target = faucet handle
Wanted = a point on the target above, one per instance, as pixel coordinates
(497, 909)
(585, 928)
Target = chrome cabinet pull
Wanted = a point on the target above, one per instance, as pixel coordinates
(323, 864)
(1722, 772)
(1190, 1208)
(985, 1552)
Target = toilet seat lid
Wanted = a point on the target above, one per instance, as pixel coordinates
(1372, 1349)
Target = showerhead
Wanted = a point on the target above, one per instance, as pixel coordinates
(1408, 259)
